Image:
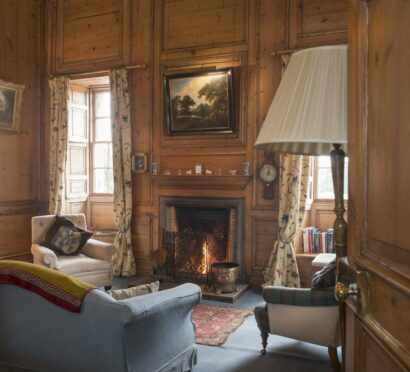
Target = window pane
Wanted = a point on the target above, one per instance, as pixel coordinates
(79, 124)
(103, 129)
(103, 181)
(102, 104)
(325, 181)
(324, 161)
(103, 155)
(325, 184)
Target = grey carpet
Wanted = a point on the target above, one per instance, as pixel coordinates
(241, 351)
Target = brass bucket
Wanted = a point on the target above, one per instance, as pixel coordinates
(224, 276)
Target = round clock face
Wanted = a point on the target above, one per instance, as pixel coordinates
(268, 173)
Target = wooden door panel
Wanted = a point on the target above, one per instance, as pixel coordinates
(389, 133)
(379, 180)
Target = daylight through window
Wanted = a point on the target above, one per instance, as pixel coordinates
(324, 182)
(101, 145)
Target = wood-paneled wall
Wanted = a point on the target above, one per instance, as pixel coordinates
(188, 35)
(22, 154)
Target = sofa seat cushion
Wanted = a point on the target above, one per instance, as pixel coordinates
(81, 264)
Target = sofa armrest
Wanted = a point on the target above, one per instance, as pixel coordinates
(44, 256)
(299, 296)
(186, 293)
(160, 327)
(98, 249)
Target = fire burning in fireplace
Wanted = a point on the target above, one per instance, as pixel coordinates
(204, 266)
(200, 237)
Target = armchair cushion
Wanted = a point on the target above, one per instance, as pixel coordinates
(64, 237)
(82, 264)
(299, 296)
(325, 277)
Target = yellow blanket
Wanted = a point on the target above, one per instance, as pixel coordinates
(58, 288)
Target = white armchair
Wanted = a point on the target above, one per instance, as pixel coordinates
(92, 264)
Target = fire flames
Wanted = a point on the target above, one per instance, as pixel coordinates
(204, 266)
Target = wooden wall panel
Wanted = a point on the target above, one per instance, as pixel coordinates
(317, 22)
(99, 35)
(306, 269)
(89, 8)
(101, 214)
(142, 239)
(15, 233)
(21, 62)
(203, 23)
(75, 207)
(91, 33)
(142, 88)
(264, 234)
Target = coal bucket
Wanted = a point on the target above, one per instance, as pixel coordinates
(224, 276)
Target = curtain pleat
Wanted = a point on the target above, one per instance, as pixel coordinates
(282, 269)
(58, 141)
(123, 260)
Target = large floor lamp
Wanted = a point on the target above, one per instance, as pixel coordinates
(308, 115)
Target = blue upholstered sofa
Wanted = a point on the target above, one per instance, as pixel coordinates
(153, 332)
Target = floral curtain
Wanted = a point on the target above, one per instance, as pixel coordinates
(282, 269)
(58, 141)
(123, 260)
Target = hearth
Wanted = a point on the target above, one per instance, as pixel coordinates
(198, 232)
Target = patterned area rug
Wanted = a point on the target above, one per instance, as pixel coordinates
(214, 324)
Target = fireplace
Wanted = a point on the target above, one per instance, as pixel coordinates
(198, 232)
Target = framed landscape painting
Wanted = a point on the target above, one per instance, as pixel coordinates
(11, 99)
(199, 103)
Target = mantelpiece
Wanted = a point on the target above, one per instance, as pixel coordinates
(201, 182)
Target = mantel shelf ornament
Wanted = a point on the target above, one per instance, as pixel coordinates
(201, 182)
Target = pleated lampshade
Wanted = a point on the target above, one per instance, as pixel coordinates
(309, 111)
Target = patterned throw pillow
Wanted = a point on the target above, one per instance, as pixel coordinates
(122, 294)
(64, 237)
(326, 277)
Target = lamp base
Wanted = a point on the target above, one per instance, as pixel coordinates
(337, 158)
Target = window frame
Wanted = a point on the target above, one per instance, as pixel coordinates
(92, 136)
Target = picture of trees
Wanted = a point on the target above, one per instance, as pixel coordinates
(199, 102)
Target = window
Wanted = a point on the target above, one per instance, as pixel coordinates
(101, 143)
(89, 160)
(323, 183)
(77, 185)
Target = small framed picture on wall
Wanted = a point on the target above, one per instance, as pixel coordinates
(11, 100)
(139, 163)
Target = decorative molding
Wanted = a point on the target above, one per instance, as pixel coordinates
(394, 348)
(201, 182)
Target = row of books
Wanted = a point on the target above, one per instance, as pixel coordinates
(316, 241)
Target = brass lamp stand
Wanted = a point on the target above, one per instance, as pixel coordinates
(337, 159)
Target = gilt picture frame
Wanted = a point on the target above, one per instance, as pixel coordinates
(199, 103)
(11, 101)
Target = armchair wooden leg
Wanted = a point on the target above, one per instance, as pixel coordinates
(334, 359)
(107, 287)
(264, 336)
